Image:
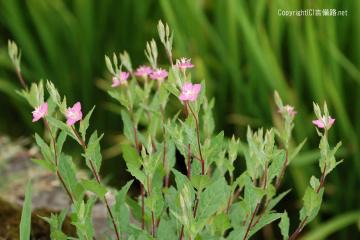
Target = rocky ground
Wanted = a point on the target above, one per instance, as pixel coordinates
(16, 168)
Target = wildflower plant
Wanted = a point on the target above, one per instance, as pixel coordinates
(205, 201)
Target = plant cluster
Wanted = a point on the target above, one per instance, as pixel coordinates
(208, 200)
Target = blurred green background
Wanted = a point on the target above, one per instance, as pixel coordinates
(243, 49)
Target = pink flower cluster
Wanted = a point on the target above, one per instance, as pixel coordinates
(289, 110)
(159, 74)
(72, 114)
(320, 123)
(190, 92)
(184, 63)
(143, 71)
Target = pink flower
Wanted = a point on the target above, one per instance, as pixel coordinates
(184, 63)
(143, 71)
(190, 92)
(121, 80)
(73, 114)
(159, 74)
(288, 109)
(323, 122)
(40, 112)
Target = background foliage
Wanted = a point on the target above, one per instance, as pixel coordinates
(243, 49)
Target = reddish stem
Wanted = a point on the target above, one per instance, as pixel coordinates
(57, 162)
(198, 141)
(21, 79)
(303, 222)
(97, 177)
(165, 163)
(142, 206)
(189, 162)
(152, 224)
(282, 173)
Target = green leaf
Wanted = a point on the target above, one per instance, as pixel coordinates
(273, 202)
(252, 195)
(200, 181)
(54, 94)
(56, 222)
(133, 162)
(221, 223)
(277, 165)
(209, 204)
(95, 187)
(314, 182)
(93, 152)
(131, 156)
(265, 220)
(45, 164)
(25, 223)
(109, 65)
(35, 96)
(60, 125)
(284, 225)
(68, 173)
(84, 124)
(121, 210)
(167, 229)
(297, 150)
(82, 218)
(312, 204)
(60, 141)
(45, 149)
(128, 127)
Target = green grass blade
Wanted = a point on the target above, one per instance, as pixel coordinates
(324, 230)
(25, 223)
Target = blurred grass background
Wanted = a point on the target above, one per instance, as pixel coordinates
(243, 49)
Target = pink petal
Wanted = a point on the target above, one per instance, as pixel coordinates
(77, 107)
(197, 88)
(183, 97)
(186, 87)
(70, 121)
(36, 118)
(318, 123)
(44, 108)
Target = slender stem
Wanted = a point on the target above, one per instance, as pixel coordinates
(264, 185)
(181, 233)
(21, 79)
(298, 229)
(198, 141)
(64, 185)
(165, 162)
(97, 177)
(282, 173)
(231, 195)
(189, 161)
(251, 221)
(303, 222)
(142, 206)
(152, 224)
(138, 149)
(58, 174)
(197, 199)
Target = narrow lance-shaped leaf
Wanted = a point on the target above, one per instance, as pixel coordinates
(93, 152)
(25, 223)
(84, 124)
(284, 225)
